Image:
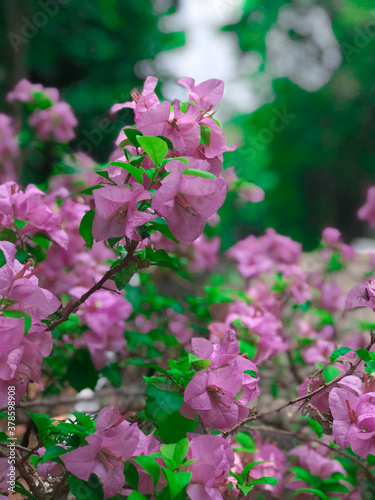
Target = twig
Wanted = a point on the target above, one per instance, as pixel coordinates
(261, 428)
(301, 398)
(108, 275)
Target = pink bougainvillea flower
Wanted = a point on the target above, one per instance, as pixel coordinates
(116, 211)
(18, 283)
(207, 94)
(264, 329)
(141, 102)
(314, 459)
(187, 202)
(320, 400)
(332, 297)
(9, 148)
(215, 392)
(343, 403)
(319, 353)
(104, 312)
(273, 465)
(30, 206)
(56, 122)
(255, 256)
(215, 458)
(25, 91)
(362, 295)
(114, 442)
(331, 235)
(206, 253)
(367, 212)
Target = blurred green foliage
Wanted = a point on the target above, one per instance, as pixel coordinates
(316, 170)
(88, 50)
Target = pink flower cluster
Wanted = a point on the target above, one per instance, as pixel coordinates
(52, 119)
(73, 265)
(114, 442)
(264, 329)
(214, 459)
(29, 206)
(352, 404)
(21, 355)
(185, 201)
(104, 312)
(256, 256)
(9, 148)
(221, 392)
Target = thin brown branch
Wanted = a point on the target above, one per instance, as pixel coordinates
(108, 275)
(301, 398)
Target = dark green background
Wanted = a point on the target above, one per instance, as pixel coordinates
(315, 172)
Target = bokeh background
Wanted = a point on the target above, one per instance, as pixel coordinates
(299, 98)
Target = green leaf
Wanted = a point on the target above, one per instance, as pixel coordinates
(246, 441)
(85, 228)
(177, 481)
(86, 421)
(81, 372)
(318, 493)
(19, 488)
(252, 373)
(89, 190)
(305, 475)
(7, 234)
(133, 136)
(133, 160)
(3, 260)
(330, 373)
(20, 223)
(105, 174)
(363, 354)
(21, 256)
(19, 314)
(123, 276)
(162, 226)
(250, 466)
(42, 240)
(175, 452)
(131, 475)
(315, 426)
(134, 171)
(52, 453)
(264, 480)
(341, 488)
(162, 407)
(205, 135)
(156, 148)
(340, 352)
(167, 141)
(82, 490)
(245, 489)
(112, 374)
(200, 364)
(199, 173)
(178, 158)
(43, 423)
(135, 495)
(150, 465)
(162, 259)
